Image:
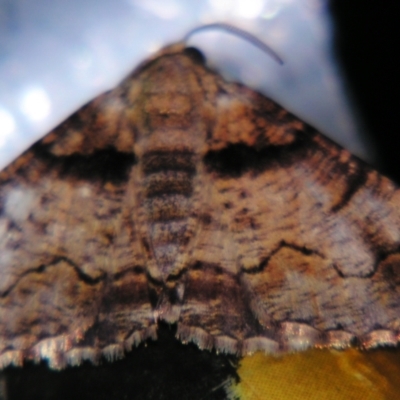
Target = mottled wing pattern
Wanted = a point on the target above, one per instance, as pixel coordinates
(72, 276)
(184, 198)
(306, 237)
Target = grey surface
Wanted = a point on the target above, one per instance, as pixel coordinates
(57, 55)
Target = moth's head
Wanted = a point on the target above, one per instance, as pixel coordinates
(181, 49)
(174, 51)
(195, 55)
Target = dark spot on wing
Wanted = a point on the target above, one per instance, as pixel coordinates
(355, 180)
(237, 159)
(106, 165)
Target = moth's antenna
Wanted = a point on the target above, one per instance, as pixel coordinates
(238, 32)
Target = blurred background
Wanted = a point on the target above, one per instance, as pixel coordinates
(57, 55)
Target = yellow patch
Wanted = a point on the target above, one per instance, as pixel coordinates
(320, 375)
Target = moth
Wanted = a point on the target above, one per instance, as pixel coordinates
(183, 198)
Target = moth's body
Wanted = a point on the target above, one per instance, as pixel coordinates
(184, 198)
(168, 123)
(169, 130)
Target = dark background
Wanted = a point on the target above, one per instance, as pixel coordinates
(367, 42)
(157, 370)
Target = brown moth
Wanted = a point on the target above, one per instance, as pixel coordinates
(183, 198)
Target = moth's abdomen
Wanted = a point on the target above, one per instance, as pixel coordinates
(167, 188)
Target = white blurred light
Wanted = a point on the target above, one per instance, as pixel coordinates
(167, 9)
(220, 5)
(238, 8)
(35, 104)
(7, 126)
(271, 9)
(248, 8)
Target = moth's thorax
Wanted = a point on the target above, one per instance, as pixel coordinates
(169, 106)
(169, 141)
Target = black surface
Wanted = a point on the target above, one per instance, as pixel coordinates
(367, 42)
(163, 369)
